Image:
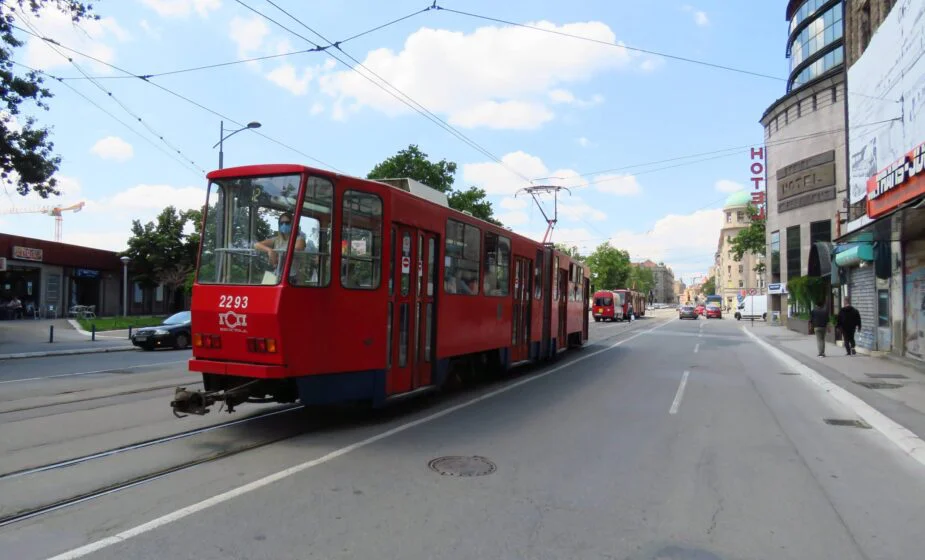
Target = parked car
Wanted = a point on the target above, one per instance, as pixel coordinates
(700, 309)
(688, 312)
(174, 332)
(713, 310)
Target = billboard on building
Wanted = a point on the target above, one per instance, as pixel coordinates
(886, 102)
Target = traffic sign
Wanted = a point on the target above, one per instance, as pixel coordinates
(405, 265)
(752, 291)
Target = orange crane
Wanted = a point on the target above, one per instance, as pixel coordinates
(55, 211)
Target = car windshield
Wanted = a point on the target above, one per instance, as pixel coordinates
(178, 318)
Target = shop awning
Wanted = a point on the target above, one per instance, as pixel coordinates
(853, 254)
(820, 259)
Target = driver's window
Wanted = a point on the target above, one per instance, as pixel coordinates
(311, 266)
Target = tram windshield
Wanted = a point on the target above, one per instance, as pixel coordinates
(251, 224)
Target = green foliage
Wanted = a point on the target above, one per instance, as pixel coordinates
(27, 160)
(752, 238)
(414, 164)
(570, 251)
(641, 279)
(709, 287)
(806, 291)
(609, 267)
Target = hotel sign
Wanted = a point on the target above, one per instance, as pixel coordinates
(806, 176)
(900, 182)
(27, 253)
(807, 199)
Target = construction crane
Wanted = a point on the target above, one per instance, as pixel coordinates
(55, 211)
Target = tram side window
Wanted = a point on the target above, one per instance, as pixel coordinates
(497, 260)
(538, 275)
(312, 265)
(361, 241)
(461, 273)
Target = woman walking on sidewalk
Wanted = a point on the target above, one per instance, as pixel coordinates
(849, 321)
(819, 320)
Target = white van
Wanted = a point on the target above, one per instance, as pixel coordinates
(753, 307)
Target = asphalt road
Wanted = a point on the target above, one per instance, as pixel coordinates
(36, 369)
(664, 440)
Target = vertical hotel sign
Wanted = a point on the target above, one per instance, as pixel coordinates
(758, 180)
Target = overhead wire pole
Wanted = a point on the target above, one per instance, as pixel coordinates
(534, 191)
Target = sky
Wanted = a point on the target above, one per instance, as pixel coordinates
(599, 117)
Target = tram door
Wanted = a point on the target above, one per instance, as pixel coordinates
(563, 306)
(520, 318)
(412, 309)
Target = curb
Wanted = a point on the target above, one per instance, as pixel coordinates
(21, 355)
(88, 334)
(897, 434)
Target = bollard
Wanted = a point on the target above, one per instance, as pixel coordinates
(93, 332)
(130, 332)
(51, 333)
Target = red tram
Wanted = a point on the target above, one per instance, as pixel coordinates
(417, 293)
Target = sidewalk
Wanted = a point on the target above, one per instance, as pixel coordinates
(894, 388)
(28, 338)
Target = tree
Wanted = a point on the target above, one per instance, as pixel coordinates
(709, 287)
(570, 251)
(161, 252)
(641, 279)
(27, 160)
(414, 164)
(751, 239)
(609, 267)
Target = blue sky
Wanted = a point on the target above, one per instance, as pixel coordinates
(546, 105)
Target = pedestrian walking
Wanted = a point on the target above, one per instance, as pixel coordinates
(849, 322)
(819, 321)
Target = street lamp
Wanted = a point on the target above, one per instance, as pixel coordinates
(222, 138)
(125, 261)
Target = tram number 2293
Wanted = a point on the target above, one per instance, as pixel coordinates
(232, 302)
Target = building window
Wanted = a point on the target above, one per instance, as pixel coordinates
(139, 293)
(159, 293)
(361, 241)
(775, 254)
(741, 284)
(834, 93)
(740, 216)
(312, 266)
(793, 252)
(815, 101)
(883, 308)
(728, 217)
(497, 261)
(729, 269)
(821, 32)
(864, 31)
(461, 274)
(820, 231)
(740, 269)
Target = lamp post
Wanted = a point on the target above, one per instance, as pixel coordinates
(125, 261)
(222, 138)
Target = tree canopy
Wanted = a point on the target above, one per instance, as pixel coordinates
(751, 239)
(709, 287)
(161, 252)
(27, 159)
(609, 267)
(412, 163)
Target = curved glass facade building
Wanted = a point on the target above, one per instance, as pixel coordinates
(816, 42)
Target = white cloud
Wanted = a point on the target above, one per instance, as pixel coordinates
(509, 203)
(576, 209)
(513, 218)
(727, 186)
(622, 185)
(561, 96)
(150, 30)
(113, 148)
(89, 37)
(498, 179)
(248, 34)
(690, 239)
(287, 78)
(583, 142)
(183, 8)
(475, 77)
(652, 64)
(317, 108)
(700, 17)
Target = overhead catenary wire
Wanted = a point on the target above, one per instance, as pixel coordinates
(182, 97)
(126, 108)
(383, 84)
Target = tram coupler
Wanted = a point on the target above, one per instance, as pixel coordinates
(187, 402)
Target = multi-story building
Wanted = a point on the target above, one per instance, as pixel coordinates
(679, 288)
(735, 278)
(805, 150)
(880, 259)
(664, 291)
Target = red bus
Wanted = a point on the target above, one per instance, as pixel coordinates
(417, 294)
(607, 305)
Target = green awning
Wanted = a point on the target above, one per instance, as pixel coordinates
(854, 255)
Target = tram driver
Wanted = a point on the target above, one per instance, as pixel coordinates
(277, 245)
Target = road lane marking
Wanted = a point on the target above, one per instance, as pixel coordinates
(697, 348)
(115, 368)
(896, 433)
(679, 395)
(82, 551)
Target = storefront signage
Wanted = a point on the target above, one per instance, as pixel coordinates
(807, 175)
(86, 273)
(777, 289)
(900, 182)
(27, 253)
(757, 169)
(812, 197)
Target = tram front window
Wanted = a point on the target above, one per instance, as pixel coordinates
(248, 227)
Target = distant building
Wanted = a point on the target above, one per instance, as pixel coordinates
(664, 290)
(734, 278)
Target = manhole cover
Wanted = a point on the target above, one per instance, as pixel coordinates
(788, 373)
(846, 422)
(886, 375)
(462, 466)
(878, 385)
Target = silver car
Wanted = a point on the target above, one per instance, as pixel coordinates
(687, 312)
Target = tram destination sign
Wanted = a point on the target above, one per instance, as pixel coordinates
(27, 253)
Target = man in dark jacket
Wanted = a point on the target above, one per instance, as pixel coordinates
(849, 321)
(819, 319)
